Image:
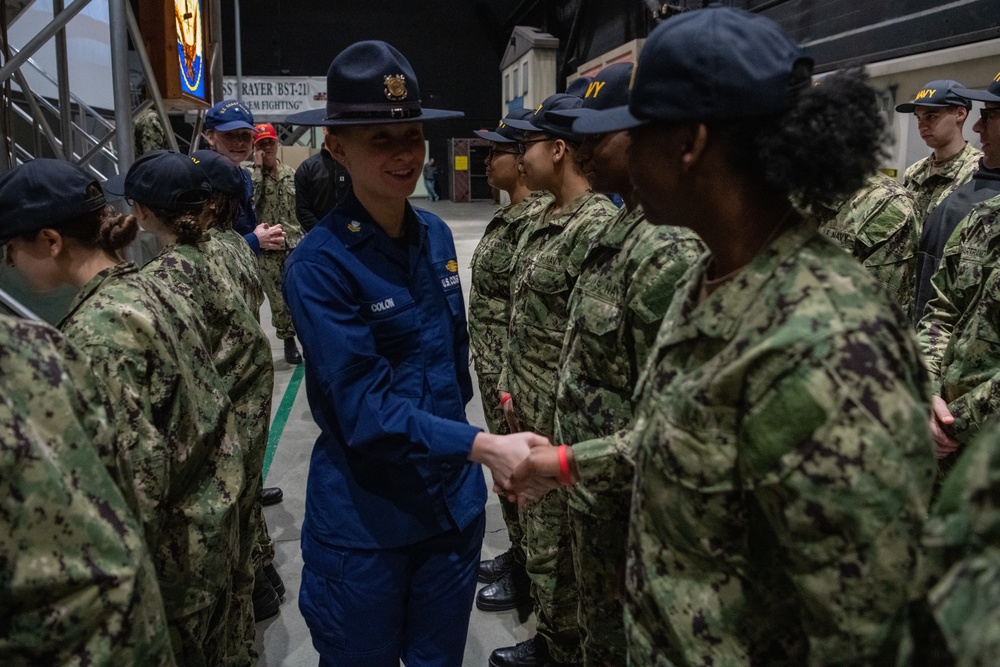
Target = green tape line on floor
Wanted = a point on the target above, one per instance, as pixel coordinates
(281, 418)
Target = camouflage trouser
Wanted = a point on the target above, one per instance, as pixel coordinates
(272, 265)
(497, 424)
(549, 561)
(255, 546)
(200, 638)
(599, 561)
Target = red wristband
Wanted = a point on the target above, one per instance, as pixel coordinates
(504, 399)
(564, 477)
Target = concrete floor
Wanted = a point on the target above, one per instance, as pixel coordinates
(284, 640)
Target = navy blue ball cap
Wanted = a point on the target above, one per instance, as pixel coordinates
(505, 134)
(165, 181)
(939, 93)
(44, 193)
(991, 94)
(369, 83)
(608, 90)
(717, 63)
(579, 86)
(229, 115)
(541, 121)
(224, 177)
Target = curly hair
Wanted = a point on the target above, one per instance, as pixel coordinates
(221, 211)
(187, 225)
(104, 228)
(820, 150)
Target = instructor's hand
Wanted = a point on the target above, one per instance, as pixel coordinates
(502, 453)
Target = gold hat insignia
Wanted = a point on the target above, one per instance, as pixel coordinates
(395, 87)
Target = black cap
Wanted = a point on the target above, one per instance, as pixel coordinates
(370, 82)
(939, 93)
(542, 121)
(716, 63)
(163, 180)
(505, 134)
(44, 193)
(991, 94)
(607, 90)
(224, 177)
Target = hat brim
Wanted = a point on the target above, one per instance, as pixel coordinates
(522, 125)
(317, 118)
(910, 107)
(494, 136)
(978, 95)
(115, 186)
(232, 125)
(606, 120)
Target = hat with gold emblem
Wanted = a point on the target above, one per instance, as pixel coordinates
(369, 83)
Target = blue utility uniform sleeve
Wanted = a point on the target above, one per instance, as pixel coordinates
(382, 322)
(247, 220)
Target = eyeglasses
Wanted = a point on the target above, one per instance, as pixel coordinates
(493, 152)
(986, 114)
(522, 146)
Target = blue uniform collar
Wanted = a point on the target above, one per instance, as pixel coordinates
(353, 224)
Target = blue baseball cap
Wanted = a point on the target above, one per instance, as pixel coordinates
(939, 93)
(991, 94)
(505, 134)
(163, 180)
(716, 63)
(579, 86)
(542, 121)
(229, 115)
(607, 90)
(43, 193)
(370, 83)
(224, 177)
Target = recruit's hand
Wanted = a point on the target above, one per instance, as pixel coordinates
(502, 453)
(270, 237)
(941, 421)
(536, 475)
(508, 412)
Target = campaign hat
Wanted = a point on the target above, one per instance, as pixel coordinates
(370, 82)
(163, 180)
(938, 93)
(223, 176)
(717, 63)
(505, 134)
(229, 115)
(44, 193)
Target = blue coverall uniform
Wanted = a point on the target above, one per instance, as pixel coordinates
(246, 222)
(394, 510)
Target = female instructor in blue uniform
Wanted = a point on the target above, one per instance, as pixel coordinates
(394, 505)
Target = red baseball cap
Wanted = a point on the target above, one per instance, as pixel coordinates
(265, 131)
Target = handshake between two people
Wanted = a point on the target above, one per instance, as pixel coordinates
(525, 465)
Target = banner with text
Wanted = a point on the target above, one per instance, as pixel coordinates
(271, 98)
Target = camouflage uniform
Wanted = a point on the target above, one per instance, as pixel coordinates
(77, 586)
(242, 265)
(931, 185)
(489, 315)
(548, 261)
(242, 356)
(962, 547)
(877, 225)
(144, 346)
(148, 132)
(626, 284)
(960, 331)
(274, 194)
(783, 467)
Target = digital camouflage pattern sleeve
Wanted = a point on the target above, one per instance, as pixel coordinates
(877, 226)
(784, 424)
(930, 186)
(77, 586)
